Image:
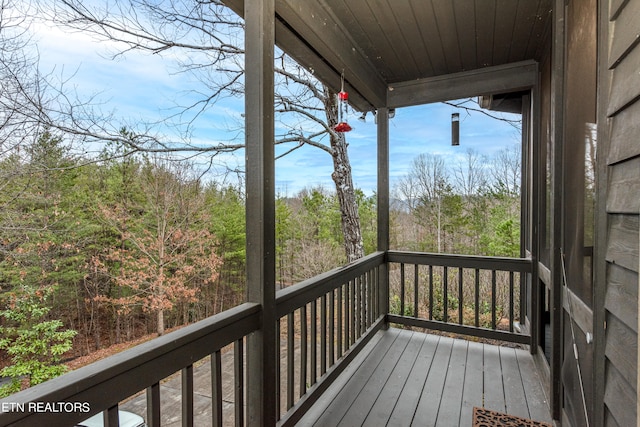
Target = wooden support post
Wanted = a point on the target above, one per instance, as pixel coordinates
(601, 219)
(538, 166)
(383, 205)
(260, 208)
(557, 135)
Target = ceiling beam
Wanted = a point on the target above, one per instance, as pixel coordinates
(484, 81)
(291, 44)
(330, 42)
(317, 41)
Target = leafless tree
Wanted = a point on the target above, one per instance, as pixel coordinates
(20, 83)
(470, 176)
(424, 188)
(207, 39)
(506, 170)
(19, 80)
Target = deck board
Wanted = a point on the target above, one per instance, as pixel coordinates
(386, 401)
(494, 399)
(339, 403)
(429, 403)
(473, 383)
(515, 398)
(451, 401)
(410, 378)
(364, 401)
(536, 400)
(409, 397)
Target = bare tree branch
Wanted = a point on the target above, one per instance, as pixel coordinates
(515, 123)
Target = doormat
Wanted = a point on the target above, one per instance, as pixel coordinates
(486, 418)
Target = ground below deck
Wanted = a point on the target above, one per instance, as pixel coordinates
(405, 378)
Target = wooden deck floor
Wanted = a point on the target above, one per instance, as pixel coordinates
(406, 378)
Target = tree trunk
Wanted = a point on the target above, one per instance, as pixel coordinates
(160, 321)
(351, 231)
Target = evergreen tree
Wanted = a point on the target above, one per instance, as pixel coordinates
(34, 343)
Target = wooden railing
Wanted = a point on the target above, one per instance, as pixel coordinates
(470, 295)
(102, 385)
(323, 323)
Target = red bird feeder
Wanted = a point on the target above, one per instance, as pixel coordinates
(343, 97)
(342, 127)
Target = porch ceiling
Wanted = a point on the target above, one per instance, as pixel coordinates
(380, 44)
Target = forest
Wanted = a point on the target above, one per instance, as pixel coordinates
(104, 250)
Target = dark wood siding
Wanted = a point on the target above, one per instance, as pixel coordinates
(623, 206)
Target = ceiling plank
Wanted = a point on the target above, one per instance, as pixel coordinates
(418, 54)
(398, 53)
(423, 10)
(359, 18)
(484, 81)
(527, 13)
(540, 31)
(504, 31)
(445, 20)
(485, 19)
(465, 18)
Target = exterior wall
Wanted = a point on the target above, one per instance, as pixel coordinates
(622, 212)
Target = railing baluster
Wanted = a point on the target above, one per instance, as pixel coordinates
(323, 334)
(153, 405)
(187, 396)
(340, 323)
(303, 350)
(460, 296)
(332, 328)
(401, 289)
(216, 389)
(366, 290)
(369, 299)
(430, 292)
(363, 304)
(348, 315)
(366, 280)
(238, 369)
(314, 342)
(522, 309)
(493, 299)
(477, 298)
(278, 355)
(376, 293)
(415, 290)
(445, 293)
(358, 307)
(511, 299)
(110, 417)
(290, 359)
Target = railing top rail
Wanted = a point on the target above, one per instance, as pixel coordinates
(106, 382)
(296, 296)
(523, 265)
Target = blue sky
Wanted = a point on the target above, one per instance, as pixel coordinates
(143, 87)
